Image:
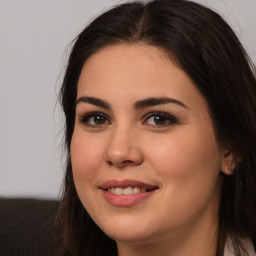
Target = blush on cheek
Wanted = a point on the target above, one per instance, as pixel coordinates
(84, 159)
(185, 156)
(172, 156)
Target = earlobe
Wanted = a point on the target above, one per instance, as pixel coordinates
(229, 163)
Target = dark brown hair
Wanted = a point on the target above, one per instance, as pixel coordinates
(206, 48)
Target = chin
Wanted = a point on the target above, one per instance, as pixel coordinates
(133, 237)
(127, 231)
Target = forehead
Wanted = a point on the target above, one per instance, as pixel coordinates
(135, 70)
(129, 62)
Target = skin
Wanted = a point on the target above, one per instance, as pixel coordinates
(182, 157)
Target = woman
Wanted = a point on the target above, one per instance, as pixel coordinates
(160, 107)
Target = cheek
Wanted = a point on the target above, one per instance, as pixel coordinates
(85, 157)
(85, 160)
(188, 164)
(186, 156)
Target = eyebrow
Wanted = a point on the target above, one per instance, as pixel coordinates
(149, 102)
(93, 101)
(157, 101)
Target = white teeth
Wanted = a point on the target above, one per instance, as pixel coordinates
(119, 191)
(136, 190)
(126, 191)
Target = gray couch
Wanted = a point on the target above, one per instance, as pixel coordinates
(26, 227)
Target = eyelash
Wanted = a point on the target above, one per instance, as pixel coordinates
(167, 117)
(85, 119)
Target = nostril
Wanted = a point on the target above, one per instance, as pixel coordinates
(127, 162)
(109, 163)
(121, 161)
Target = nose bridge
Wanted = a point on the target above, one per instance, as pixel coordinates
(120, 138)
(123, 147)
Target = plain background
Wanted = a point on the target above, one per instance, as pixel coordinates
(34, 40)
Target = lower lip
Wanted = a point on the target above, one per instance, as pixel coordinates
(126, 200)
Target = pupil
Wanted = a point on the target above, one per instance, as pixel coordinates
(99, 120)
(160, 120)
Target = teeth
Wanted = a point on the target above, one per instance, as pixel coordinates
(136, 190)
(126, 191)
(119, 191)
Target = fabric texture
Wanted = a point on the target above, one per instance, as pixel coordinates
(26, 227)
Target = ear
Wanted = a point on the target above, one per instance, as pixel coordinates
(229, 162)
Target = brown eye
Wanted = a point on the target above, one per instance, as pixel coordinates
(159, 119)
(94, 119)
(99, 120)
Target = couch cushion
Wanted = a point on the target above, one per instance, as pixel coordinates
(26, 227)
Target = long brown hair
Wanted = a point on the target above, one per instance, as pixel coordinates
(207, 49)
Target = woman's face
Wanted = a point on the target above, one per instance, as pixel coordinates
(145, 159)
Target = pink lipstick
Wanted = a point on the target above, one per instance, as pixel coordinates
(126, 193)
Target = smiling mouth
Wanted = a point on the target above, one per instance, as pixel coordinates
(128, 190)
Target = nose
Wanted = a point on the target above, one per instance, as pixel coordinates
(123, 149)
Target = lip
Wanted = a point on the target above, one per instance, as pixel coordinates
(126, 200)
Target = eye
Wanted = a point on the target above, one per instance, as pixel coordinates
(159, 119)
(94, 119)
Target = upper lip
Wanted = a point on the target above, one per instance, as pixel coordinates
(126, 183)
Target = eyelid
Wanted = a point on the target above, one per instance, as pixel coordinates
(169, 117)
(85, 117)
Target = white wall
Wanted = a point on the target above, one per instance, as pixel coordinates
(34, 36)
